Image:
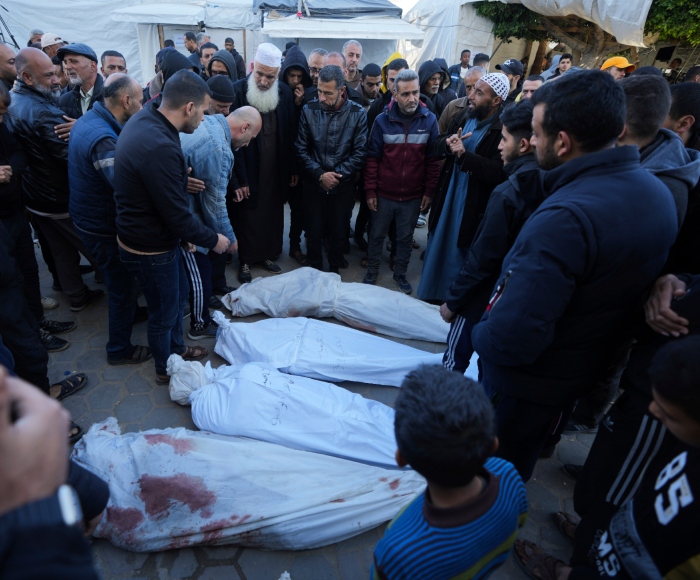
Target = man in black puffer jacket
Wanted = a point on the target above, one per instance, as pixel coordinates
(331, 148)
(32, 117)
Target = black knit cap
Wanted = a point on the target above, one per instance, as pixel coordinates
(221, 89)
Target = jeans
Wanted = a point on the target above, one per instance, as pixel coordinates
(164, 283)
(327, 213)
(405, 213)
(198, 270)
(123, 294)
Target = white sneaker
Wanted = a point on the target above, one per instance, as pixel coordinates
(422, 221)
(48, 303)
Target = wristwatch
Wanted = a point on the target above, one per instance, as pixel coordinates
(60, 509)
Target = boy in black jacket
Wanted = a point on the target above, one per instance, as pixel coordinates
(510, 204)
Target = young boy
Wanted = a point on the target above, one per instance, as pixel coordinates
(465, 522)
(655, 534)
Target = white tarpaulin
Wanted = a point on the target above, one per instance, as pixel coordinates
(173, 488)
(258, 401)
(624, 19)
(318, 350)
(363, 27)
(309, 292)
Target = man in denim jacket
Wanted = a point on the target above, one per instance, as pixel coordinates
(208, 152)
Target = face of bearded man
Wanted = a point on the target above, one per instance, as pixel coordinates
(262, 93)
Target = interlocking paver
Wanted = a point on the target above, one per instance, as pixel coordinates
(130, 393)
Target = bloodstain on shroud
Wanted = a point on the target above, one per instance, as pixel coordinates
(180, 446)
(160, 493)
(122, 523)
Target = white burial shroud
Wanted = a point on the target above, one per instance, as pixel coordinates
(257, 401)
(309, 292)
(173, 488)
(318, 350)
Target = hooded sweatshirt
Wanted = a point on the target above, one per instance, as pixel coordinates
(552, 69)
(679, 168)
(296, 58)
(448, 95)
(225, 57)
(385, 67)
(426, 70)
(172, 62)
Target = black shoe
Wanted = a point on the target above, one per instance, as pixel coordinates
(141, 314)
(573, 428)
(215, 303)
(90, 296)
(344, 264)
(86, 269)
(572, 470)
(270, 266)
(244, 275)
(402, 284)
(223, 291)
(361, 243)
(548, 452)
(53, 343)
(229, 258)
(56, 327)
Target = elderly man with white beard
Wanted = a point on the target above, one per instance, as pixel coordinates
(265, 170)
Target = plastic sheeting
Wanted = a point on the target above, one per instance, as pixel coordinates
(332, 8)
(174, 488)
(622, 18)
(309, 292)
(258, 401)
(318, 350)
(361, 28)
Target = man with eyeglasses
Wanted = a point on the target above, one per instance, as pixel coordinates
(316, 59)
(222, 63)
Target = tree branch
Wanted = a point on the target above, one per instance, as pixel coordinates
(561, 36)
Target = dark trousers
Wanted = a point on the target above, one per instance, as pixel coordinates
(459, 346)
(66, 247)
(45, 252)
(123, 294)
(296, 216)
(628, 439)
(523, 428)
(405, 214)
(17, 226)
(198, 270)
(327, 213)
(218, 270)
(164, 283)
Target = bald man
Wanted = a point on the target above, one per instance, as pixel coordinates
(208, 151)
(93, 209)
(8, 71)
(34, 116)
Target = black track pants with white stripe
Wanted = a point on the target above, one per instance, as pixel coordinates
(628, 438)
(198, 268)
(459, 346)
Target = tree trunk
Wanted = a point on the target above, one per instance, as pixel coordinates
(539, 57)
(577, 57)
(528, 50)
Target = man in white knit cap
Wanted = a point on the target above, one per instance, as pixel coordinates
(264, 171)
(473, 167)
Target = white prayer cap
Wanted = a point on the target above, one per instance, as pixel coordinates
(269, 55)
(499, 83)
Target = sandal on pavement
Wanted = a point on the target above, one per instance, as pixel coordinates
(194, 353)
(138, 355)
(300, 257)
(68, 386)
(162, 380)
(75, 433)
(565, 522)
(536, 559)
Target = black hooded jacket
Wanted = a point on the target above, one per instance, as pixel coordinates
(172, 62)
(225, 57)
(240, 64)
(446, 92)
(426, 70)
(296, 59)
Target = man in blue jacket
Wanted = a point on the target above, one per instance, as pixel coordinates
(578, 274)
(93, 210)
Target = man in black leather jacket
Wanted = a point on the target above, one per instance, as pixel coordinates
(331, 148)
(32, 117)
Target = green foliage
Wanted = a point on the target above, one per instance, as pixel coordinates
(511, 20)
(675, 20)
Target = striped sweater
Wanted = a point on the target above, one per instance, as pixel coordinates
(467, 542)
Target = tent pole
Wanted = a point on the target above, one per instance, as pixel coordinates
(161, 36)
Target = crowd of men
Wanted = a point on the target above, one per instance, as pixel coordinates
(560, 208)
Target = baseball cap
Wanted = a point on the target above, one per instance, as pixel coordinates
(221, 89)
(619, 62)
(50, 39)
(511, 66)
(77, 48)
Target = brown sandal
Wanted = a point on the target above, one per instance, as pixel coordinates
(162, 380)
(194, 353)
(547, 566)
(564, 522)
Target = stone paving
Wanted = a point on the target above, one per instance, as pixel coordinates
(130, 394)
